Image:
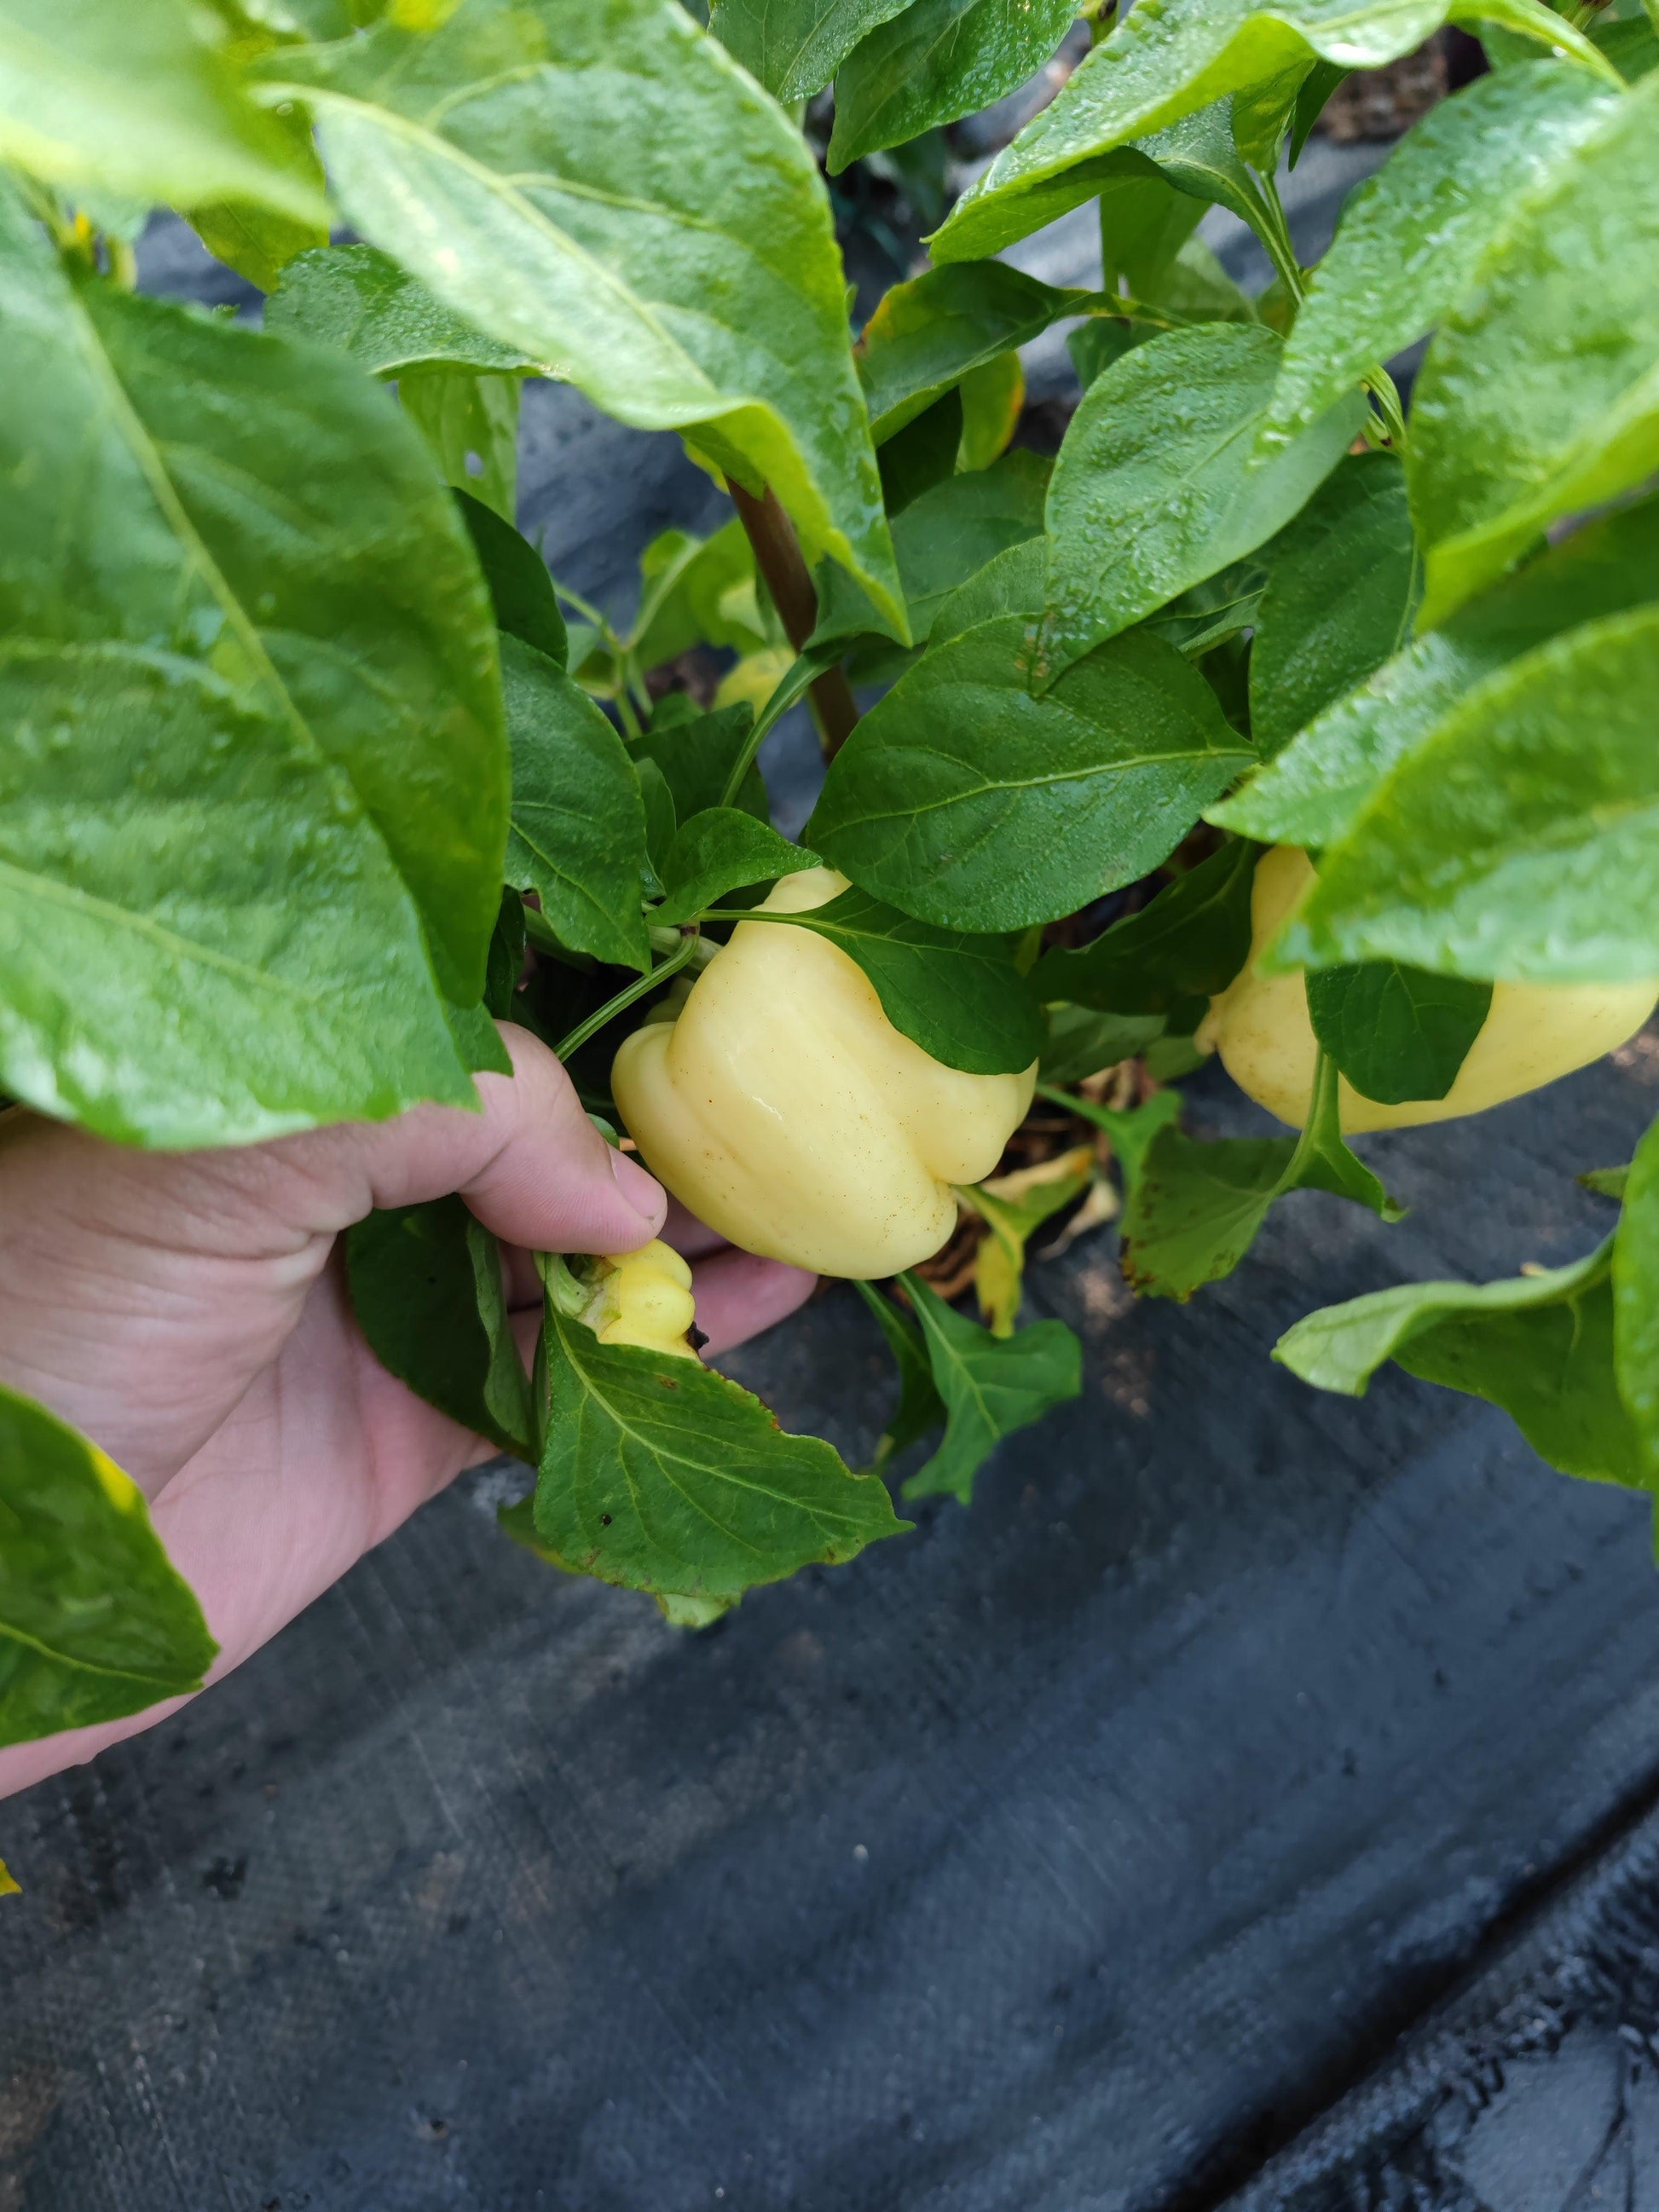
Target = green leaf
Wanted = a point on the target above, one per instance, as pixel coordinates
(506, 962)
(1311, 792)
(1394, 1032)
(660, 1474)
(992, 401)
(922, 454)
(578, 835)
(1145, 220)
(259, 242)
(1012, 583)
(597, 182)
(427, 1289)
(361, 302)
(1632, 46)
(948, 534)
(1412, 237)
(249, 674)
(1343, 584)
(965, 798)
(795, 46)
(1154, 488)
(1189, 942)
(999, 1276)
(1636, 1299)
(1540, 395)
(926, 334)
(1082, 1041)
(521, 590)
(1194, 1209)
(936, 62)
(1165, 63)
(94, 1622)
(1539, 1345)
(990, 1387)
(960, 998)
(1606, 1182)
(719, 851)
(1518, 841)
(1211, 613)
(921, 1408)
(1132, 1129)
(700, 591)
(135, 96)
(1096, 344)
(471, 425)
(660, 821)
(698, 756)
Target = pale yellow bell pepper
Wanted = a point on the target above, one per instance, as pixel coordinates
(782, 1107)
(644, 1297)
(1533, 1033)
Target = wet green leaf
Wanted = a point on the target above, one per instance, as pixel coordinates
(471, 425)
(935, 62)
(1540, 395)
(1412, 237)
(363, 303)
(719, 851)
(927, 334)
(1189, 942)
(1516, 840)
(508, 155)
(949, 534)
(95, 1623)
(795, 46)
(1396, 1032)
(965, 798)
(1154, 488)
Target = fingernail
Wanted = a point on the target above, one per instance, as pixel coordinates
(643, 1192)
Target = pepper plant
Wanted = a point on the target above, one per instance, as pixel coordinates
(311, 770)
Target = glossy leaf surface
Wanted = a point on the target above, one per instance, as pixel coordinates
(363, 303)
(927, 334)
(1539, 395)
(935, 62)
(1396, 1032)
(94, 1621)
(1154, 488)
(1189, 942)
(795, 46)
(719, 851)
(596, 182)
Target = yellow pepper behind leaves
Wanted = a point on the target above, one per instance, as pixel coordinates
(644, 1298)
(1533, 1033)
(785, 1110)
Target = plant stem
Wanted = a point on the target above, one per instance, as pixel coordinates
(1274, 232)
(625, 998)
(778, 557)
(1385, 396)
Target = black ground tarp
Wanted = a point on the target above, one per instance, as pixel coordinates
(1094, 1848)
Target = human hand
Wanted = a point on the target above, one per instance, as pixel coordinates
(188, 1312)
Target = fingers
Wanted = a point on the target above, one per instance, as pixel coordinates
(738, 1295)
(690, 1236)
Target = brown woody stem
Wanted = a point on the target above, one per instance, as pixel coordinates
(778, 557)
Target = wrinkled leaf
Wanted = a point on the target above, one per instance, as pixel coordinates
(578, 835)
(1412, 237)
(1189, 942)
(795, 46)
(1539, 1345)
(960, 998)
(1540, 395)
(1396, 1032)
(719, 851)
(135, 96)
(363, 303)
(95, 1623)
(522, 591)
(965, 798)
(427, 1290)
(1163, 63)
(1518, 841)
(1154, 488)
(659, 1475)
(990, 1387)
(935, 62)
(1311, 792)
(1342, 588)
(510, 156)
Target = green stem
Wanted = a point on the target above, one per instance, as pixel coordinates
(1274, 232)
(625, 998)
(1385, 398)
(800, 675)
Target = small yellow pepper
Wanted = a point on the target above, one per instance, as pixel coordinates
(644, 1297)
(781, 1104)
(1533, 1033)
